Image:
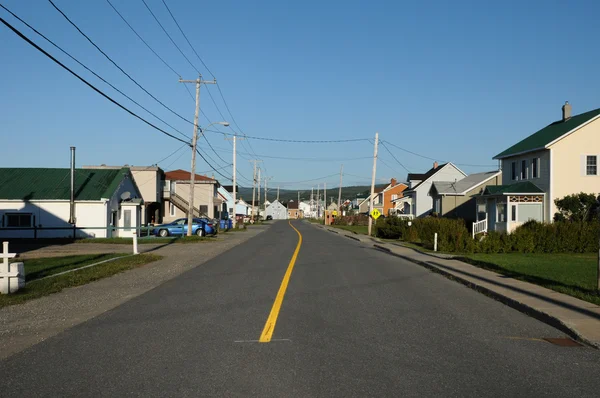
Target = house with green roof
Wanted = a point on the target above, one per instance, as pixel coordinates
(558, 160)
(35, 203)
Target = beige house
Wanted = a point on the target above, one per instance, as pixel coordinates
(558, 160)
(176, 191)
(149, 182)
(457, 199)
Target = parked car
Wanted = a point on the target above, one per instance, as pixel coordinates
(200, 227)
(269, 217)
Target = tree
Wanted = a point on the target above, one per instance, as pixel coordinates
(576, 207)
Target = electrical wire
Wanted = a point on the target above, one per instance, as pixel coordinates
(22, 36)
(169, 36)
(91, 71)
(143, 41)
(212, 167)
(393, 156)
(295, 141)
(437, 160)
(117, 66)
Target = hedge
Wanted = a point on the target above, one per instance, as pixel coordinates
(358, 219)
(531, 237)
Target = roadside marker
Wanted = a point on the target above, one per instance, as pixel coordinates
(269, 328)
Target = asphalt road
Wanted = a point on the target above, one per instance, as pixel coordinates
(354, 322)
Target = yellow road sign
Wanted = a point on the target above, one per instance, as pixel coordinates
(335, 212)
(375, 214)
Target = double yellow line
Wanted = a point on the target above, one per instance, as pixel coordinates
(269, 328)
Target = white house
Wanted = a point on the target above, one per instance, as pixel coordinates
(149, 180)
(277, 211)
(226, 209)
(242, 209)
(35, 203)
(417, 200)
(305, 208)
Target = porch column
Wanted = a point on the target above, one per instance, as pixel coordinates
(508, 215)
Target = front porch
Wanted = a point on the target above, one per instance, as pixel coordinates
(503, 208)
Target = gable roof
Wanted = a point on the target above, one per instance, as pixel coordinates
(524, 187)
(461, 187)
(431, 173)
(415, 176)
(544, 137)
(183, 175)
(55, 184)
(292, 205)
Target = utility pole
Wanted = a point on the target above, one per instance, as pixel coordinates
(234, 139)
(278, 193)
(266, 190)
(340, 191)
(258, 192)
(325, 201)
(312, 202)
(373, 182)
(254, 185)
(198, 82)
(318, 200)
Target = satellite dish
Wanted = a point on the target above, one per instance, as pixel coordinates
(126, 195)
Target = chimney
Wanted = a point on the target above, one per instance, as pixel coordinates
(566, 111)
(393, 181)
(72, 219)
(435, 165)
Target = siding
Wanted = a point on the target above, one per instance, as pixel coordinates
(465, 206)
(543, 182)
(422, 202)
(567, 174)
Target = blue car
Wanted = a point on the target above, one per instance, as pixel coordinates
(200, 227)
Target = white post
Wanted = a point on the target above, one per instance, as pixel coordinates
(435, 242)
(135, 243)
(10, 273)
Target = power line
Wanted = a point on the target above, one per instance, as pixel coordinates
(117, 66)
(295, 141)
(437, 160)
(169, 36)
(143, 41)
(211, 166)
(90, 70)
(298, 182)
(22, 36)
(396, 159)
(186, 39)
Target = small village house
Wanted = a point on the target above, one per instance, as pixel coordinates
(35, 203)
(458, 199)
(390, 194)
(416, 201)
(277, 211)
(176, 191)
(293, 210)
(556, 161)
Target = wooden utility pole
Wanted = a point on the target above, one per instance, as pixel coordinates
(278, 193)
(258, 180)
(340, 191)
(254, 185)
(373, 182)
(324, 202)
(198, 82)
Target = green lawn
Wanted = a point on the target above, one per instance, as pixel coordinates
(573, 274)
(357, 229)
(145, 241)
(38, 268)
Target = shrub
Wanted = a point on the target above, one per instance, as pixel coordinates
(357, 219)
(577, 207)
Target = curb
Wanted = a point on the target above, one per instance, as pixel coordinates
(383, 248)
(352, 237)
(521, 307)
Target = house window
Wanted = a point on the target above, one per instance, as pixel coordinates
(535, 168)
(127, 220)
(523, 169)
(481, 211)
(16, 220)
(171, 209)
(394, 196)
(591, 165)
(230, 210)
(501, 208)
(513, 170)
(513, 213)
(437, 205)
(203, 209)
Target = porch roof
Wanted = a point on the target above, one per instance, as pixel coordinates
(520, 188)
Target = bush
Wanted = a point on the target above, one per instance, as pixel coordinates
(531, 237)
(357, 219)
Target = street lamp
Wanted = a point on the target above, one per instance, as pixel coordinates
(193, 172)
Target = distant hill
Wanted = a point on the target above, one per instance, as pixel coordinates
(286, 195)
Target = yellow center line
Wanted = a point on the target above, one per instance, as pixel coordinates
(269, 328)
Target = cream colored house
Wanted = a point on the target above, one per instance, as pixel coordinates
(558, 160)
(176, 191)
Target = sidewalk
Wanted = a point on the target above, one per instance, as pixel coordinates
(575, 317)
(24, 325)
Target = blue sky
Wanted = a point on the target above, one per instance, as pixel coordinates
(458, 81)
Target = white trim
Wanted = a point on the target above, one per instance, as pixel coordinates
(572, 131)
(550, 199)
(519, 153)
